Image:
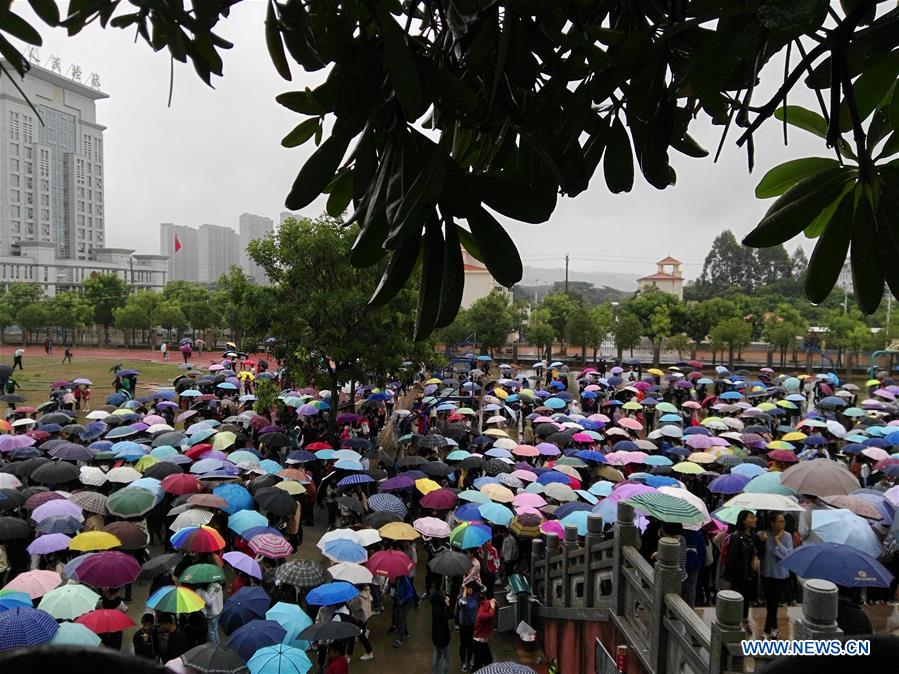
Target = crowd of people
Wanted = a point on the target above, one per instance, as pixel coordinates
(429, 492)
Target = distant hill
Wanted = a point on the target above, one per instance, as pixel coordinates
(543, 276)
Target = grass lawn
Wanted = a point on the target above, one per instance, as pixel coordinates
(41, 370)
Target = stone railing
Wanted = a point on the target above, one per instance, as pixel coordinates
(604, 580)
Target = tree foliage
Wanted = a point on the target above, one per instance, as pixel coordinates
(490, 319)
(431, 112)
(106, 292)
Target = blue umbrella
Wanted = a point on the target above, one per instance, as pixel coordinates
(347, 464)
(731, 395)
(495, 514)
(301, 456)
(481, 481)
(750, 470)
(279, 659)
(256, 634)
(345, 550)
(270, 467)
(248, 603)
(601, 488)
(566, 509)
(554, 403)
(658, 460)
(293, 619)
(845, 527)
(625, 446)
(358, 478)
(468, 513)
(387, 503)
(238, 498)
(578, 519)
(245, 519)
(553, 476)
(661, 481)
(330, 594)
(11, 599)
(728, 484)
(591, 455)
(21, 627)
(840, 564)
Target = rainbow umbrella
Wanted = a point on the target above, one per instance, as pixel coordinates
(470, 535)
(198, 539)
(172, 599)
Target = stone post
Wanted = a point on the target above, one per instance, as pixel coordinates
(569, 545)
(667, 578)
(726, 630)
(594, 537)
(552, 549)
(537, 555)
(625, 534)
(819, 611)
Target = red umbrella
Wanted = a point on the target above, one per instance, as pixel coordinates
(271, 546)
(694, 363)
(195, 451)
(782, 455)
(108, 569)
(440, 499)
(181, 483)
(105, 620)
(258, 422)
(390, 563)
(316, 446)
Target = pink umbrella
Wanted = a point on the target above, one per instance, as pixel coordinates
(599, 418)
(592, 387)
(10, 442)
(616, 458)
(630, 424)
(271, 546)
(431, 527)
(34, 583)
(698, 441)
(717, 442)
(184, 416)
(582, 437)
(691, 404)
(635, 457)
(529, 499)
(526, 450)
(629, 490)
(153, 419)
(528, 510)
(553, 527)
(892, 495)
(641, 385)
(544, 420)
(875, 453)
(524, 475)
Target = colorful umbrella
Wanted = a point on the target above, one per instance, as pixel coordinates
(271, 546)
(198, 539)
(470, 535)
(172, 599)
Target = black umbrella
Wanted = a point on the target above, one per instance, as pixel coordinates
(351, 503)
(60, 418)
(14, 398)
(12, 528)
(450, 563)
(27, 467)
(71, 429)
(471, 463)
(329, 631)
(497, 466)
(275, 501)
(263, 482)
(433, 441)
(10, 498)
(545, 430)
(456, 431)
(55, 473)
(411, 461)
(378, 520)
(214, 659)
(170, 438)
(162, 470)
(436, 469)
(560, 439)
(377, 474)
(12, 468)
(274, 440)
(161, 564)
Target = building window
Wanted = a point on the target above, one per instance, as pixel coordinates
(13, 125)
(13, 149)
(29, 167)
(28, 152)
(14, 180)
(29, 197)
(81, 221)
(45, 200)
(45, 185)
(45, 214)
(26, 128)
(14, 196)
(29, 213)
(14, 165)
(14, 211)
(79, 192)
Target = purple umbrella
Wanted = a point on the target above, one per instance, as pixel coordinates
(110, 568)
(57, 508)
(48, 543)
(397, 483)
(71, 452)
(243, 562)
(307, 410)
(10, 442)
(348, 418)
(728, 484)
(548, 449)
(271, 428)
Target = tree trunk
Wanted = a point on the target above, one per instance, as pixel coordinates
(656, 353)
(730, 358)
(583, 355)
(332, 417)
(620, 354)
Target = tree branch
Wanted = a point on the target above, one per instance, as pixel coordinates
(858, 133)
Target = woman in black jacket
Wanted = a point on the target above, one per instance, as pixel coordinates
(741, 567)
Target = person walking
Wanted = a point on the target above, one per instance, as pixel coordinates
(360, 612)
(403, 598)
(441, 614)
(483, 628)
(17, 359)
(214, 597)
(741, 564)
(164, 350)
(466, 615)
(66, 356)
(775, 577)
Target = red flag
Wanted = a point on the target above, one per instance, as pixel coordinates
(177, 244)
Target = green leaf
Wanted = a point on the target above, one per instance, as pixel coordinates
(688, 146)
(803, 118)
(404, 74)
(15, 25)
(273, 42)
(302, 132)
(367, 249)
(431, 281)
(341, 194)
(891, 147)
(421, 196)
(513, 198)
(46, 10)
(870, 89)
(618, 162)
(469, 243)
(826, 262)
(500, 254)
(798, 206)
(397, 273)
(888, 229)
(316, 173)
(453, 277)
(453, 92)
(867, 277)
(819, 224)
(782, 177)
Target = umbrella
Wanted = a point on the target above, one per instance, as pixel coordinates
(300, 573)
(666, 508)
(843, 526)
(103, 621)
(11, 599)
(293, 619)
(390, 564)
(505, 668)
(202, 574)
(728, 484)
(22, 627)
(131, 502)
(329, 631)
(243, 562)
(387, 503)
(69, 601)
(34, 583)
(44, 545)
(132, 537)
(90, 541)
(108, 569)
(343, 550)
(89, 501)
(198, 539)
(768, 483)
(280, 659)
(495, 514)
(256, 634)
(431, 527)
(181, 483)
(271, 546)
(398, 531)
(439, 499)
(330, 594)
(819, 477)
(275, 501)
(172, 599)
(751, 501)
(248, 603)
(161, 564)
(841, 564)
(470, 535)
(13, 528)
(351, 573)
(73, 634)
(214, 659)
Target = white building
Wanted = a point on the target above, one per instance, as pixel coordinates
(204, 254)
(253, 227)
(478, 281)
(51, 166)
(179, 244)
(668, 278)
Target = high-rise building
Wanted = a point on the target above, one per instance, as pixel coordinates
(51, 164)
(217, 249)
(253, 227)
(179, 243)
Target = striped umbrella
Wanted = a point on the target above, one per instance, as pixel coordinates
(271, 546)
(191, 518)
(505, 668)
(387, 503)
(357, 478)
(198, 539)
(666, 508)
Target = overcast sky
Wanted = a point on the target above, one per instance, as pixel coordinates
(216, 153)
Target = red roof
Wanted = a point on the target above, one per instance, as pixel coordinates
(473, 267)
(669, 260)
(661, 276)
